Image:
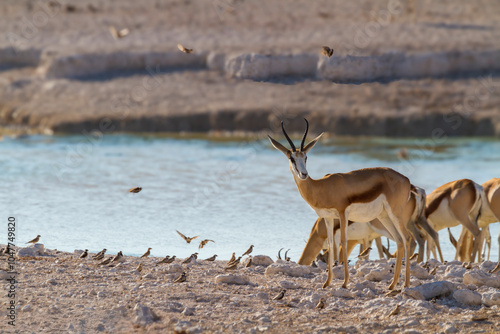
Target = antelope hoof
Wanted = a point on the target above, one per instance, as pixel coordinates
(326, 284)
(344, 285)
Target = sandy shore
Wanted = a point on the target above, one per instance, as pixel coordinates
(400, 68)
(58, 292)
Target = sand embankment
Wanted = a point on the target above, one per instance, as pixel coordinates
(399, 68)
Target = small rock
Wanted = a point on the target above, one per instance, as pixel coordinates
(262, 260)
(4, 275)
(480, 278)
(343, 293)
(288, 268)
(430, 290)
(33, 250)
(450, 329)
(27, 308)
(419, 272)
(263, 295)
(188, 311)
(289, 285)
(100, 328)
(194, 330)
(491, 299)
(467, 297)
(174, 268)
(232, 279)
(51, 281)
(144, 315)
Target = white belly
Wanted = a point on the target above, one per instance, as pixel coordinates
(443, 217)
(359, 212)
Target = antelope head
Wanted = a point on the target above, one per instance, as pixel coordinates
(296, 157)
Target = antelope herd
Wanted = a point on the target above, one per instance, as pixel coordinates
(363, 205)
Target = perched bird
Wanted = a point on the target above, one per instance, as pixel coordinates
(321, 304)
(190, 258)
(204, 242)
(117, 257)
(433, 271)
(183, 49)
(34, 241)
(232, 266)
(280, 295)
(147, 253)
(188, 239)
(172, 259)
(164, 260)
(139, 267)
(211, 258)
(325, 50)
(233, 262)
(118, 34)
(249, 263)
(413, 256)
(98, 257)
(396, 310)
(452, 238)
(105, 262)
(84, 254)
(233, 257)
(101, 253)
(181, 278)
(248, 251)
(365, 253)
(135, 190)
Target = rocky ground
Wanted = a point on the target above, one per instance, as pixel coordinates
(59, 292)
(400, 68)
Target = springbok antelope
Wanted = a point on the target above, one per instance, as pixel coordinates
(490, 213)
(361, 195)
(454, 203)
(364, 233)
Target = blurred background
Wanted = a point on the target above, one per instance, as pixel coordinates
(97, 97)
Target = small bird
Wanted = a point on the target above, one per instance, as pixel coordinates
(204, 242)
(433, 271)
(233, 262)
(135, 190)
(100, 254)
(248, 251)
(139, 267)
(452, 238)
(233, 257)
(183, 49)
(392, 293)
(164, 260)
(364, 253)
(321, 304)
(105, 262)
(118, 34)
(249, 263)
(172, 259)
(181, 278)
(84, 254)
(413, 256)
(147, 253)
(467, 265)
(403, 154)
(211, 258)
(396, 311)
(190, 258)
(280, 295)
(232, 266)
(117, 257)
(34, 241)
(325, 50)
(188, 239)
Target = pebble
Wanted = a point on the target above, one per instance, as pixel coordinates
(232, 279)
(467, 297)
(144, 315)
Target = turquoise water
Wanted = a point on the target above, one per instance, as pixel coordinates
(73, 190)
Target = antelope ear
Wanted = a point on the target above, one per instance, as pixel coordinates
(278, 146)
(312, 143)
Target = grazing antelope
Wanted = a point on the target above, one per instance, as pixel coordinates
(489, 213)
(361, 195)
(364, 233)
(454, 203)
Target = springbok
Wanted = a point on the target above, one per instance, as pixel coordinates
(455, 203)
(364, 233)
(361, 195)
(490, 213)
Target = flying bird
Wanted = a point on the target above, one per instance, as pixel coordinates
(118, 34)
(280, 295)
(183, 49)
(211, 258)
(181, 278)
(84, 254)
(188, 239)
(248, 251)
(147, 253)
(325, 50)
(204, 242)
(34, 241)
(135, 190)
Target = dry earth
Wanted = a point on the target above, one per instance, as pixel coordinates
(59, 293)
(400, 68)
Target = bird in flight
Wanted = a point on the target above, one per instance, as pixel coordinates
(325, 50)
(183, 49)
(188, 239)
(118, 34)
(204, 242)
(135, 190)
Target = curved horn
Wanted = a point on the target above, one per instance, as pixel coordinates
(305, 134)
(279, 254)
(288, 138)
